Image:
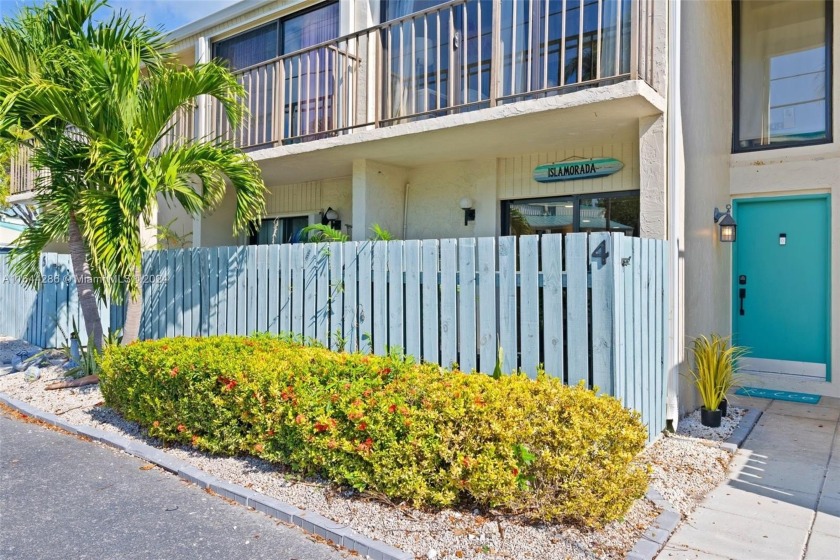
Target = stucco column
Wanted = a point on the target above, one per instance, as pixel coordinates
(652, 177)
(202, 54)
(360, 194)
(378, 197)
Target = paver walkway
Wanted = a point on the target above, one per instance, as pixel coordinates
(61, 497)
(782, 498)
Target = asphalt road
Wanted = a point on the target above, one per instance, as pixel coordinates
(65, 498)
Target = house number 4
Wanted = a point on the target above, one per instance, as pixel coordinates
(600, 252)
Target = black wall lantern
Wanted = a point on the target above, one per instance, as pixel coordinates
(330, 218)
(727, 224)
(466, 205)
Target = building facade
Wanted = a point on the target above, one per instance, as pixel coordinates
(474, 118)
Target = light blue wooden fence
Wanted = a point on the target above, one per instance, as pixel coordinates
(588, 308)
(45, 317)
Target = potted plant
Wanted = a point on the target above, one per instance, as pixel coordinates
(714, 373)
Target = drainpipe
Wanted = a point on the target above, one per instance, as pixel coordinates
(676, 215)
(405, 210)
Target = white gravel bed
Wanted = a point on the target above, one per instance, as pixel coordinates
(682, 470)
(692, 427)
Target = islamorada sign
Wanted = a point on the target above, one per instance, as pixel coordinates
(578, 169)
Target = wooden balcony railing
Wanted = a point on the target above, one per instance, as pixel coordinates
(456, 57)
(21, 175)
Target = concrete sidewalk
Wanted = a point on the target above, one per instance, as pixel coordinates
(782, 498)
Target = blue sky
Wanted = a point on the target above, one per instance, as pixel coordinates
(170, 14)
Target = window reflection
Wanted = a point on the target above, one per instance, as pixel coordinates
(609, 212)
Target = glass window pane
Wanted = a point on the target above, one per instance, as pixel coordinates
(609, 212)
(310, 28)
(274, 231)
(782, 72)
(252, 47)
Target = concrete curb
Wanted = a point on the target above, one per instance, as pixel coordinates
(663, 527)
(743, 430)
(310, 522)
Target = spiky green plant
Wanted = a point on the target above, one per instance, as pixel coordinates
(715, 368)
(319, 233)
(378, 233)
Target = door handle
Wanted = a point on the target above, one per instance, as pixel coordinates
(742, 294)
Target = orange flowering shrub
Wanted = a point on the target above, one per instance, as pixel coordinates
(414, 432)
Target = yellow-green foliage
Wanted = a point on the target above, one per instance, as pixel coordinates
(715, 368)
(413, 432)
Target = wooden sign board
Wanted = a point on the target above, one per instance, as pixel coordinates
(577, 169)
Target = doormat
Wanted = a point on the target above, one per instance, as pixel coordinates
(806, 398)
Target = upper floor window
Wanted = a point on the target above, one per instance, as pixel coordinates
(295, 32)
(782, 73)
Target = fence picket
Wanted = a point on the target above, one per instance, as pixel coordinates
(396, 311)
(429, 317)
(351, 297)
(380, 297)
(637, 324)
(242, 275)
(529, 313)
(263, 305)
(507, 303)
(365, 311)
(169, 315)
(448, 302)
(322, 303)
(336, 295)
(285, 300)
(412, 298)
(601, 267)
(552, 258)
(274, 288)
(297, 288)
(232, 267)
(487, 316)
(466, 304)
(576, 308)
(215, 315)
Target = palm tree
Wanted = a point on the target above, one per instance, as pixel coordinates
(109, 173)
(29, 45)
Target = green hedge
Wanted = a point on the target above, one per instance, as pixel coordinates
(414, 432)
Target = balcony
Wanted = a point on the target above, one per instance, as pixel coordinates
(457, 57)
(21, 175)
(461, 56)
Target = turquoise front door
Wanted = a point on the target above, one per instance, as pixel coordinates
(781, 265)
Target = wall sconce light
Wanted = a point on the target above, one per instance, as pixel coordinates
(330, 218)
(469, 212)
(727, 224)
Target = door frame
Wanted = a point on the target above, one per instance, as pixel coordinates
(734, 272)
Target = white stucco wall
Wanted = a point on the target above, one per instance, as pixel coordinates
(378, 197)
(217, 227)
(172, 214)
(435, 193)
(707, 122)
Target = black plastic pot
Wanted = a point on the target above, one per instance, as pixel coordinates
(723, 407)
(710, 418)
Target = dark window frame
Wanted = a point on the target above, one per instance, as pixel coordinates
(280, 31)
(736, 86)
(573, 198)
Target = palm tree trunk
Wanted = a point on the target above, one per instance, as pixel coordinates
(133, 312)
(84, 284)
